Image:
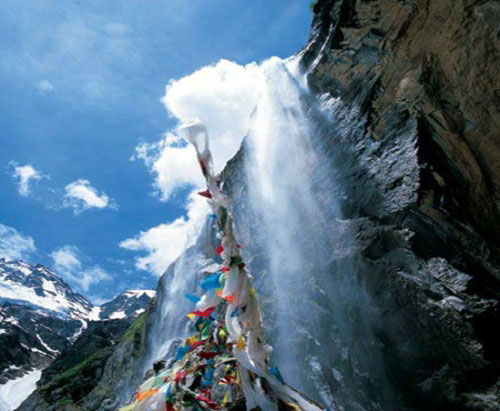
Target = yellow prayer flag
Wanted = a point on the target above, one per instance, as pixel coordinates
(241, 343)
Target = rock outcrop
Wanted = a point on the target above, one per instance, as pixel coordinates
(423, 189)
(128, 304)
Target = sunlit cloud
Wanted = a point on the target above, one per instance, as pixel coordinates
(81, 196)
(172, 163)
(45, 86)
(164, 243)
(14, 245)
(25, 176)
(222, 97)
(67, 262)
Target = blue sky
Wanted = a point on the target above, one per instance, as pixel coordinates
(80, 90)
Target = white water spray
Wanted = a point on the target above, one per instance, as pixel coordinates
(299, 249)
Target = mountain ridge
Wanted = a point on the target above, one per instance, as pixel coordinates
(41, 317)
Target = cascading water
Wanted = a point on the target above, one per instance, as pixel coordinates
(280, 170)
(286, 201)
(170, 323)
(303, 253)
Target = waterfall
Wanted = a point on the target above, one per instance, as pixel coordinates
(283, 197)
(170, 324)
(301, 246)
(288, 201)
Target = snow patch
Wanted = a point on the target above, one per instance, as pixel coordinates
(14, 392)
(118, 315)
(140, 293)
(49, 286)
(46, 346)
(57, 297)
(95, 314)
(25, 270)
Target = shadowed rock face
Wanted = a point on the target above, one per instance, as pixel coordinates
(425, 74)
(436, 62)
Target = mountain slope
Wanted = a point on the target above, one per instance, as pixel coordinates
(96, 371)
(40, 315)
(38, 287)
(79, 368)
(128, 304)
(72, 375)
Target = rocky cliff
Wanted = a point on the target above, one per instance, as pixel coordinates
(100, 367)
(423, 184)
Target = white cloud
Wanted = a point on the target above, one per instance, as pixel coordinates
(14, 245)
(223, 97)
(82, 196)
(67, 262)
(164, 243)
(172, 163)
(25, 176)
(45, 86)
(66, 258)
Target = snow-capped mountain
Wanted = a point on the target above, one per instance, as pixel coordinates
(40, 315)
(38, 287)
(128, 304)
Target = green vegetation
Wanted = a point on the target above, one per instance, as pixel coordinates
(83, 369)
(136, 327)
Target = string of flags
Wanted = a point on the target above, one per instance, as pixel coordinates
(224, 364)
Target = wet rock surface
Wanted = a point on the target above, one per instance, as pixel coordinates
(421, 191)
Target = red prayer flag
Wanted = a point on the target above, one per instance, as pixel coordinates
(195, 345)
(205, 193)
(219, 249)
(180, 375)
(230, 298)
(208, 355)
(213, 405)
(206, 313)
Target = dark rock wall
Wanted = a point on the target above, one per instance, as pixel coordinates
(124, 369)
(22, 349)
(422, 73)
(73, 374)
(435, 62)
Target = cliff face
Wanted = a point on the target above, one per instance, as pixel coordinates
(435, 63)
(397, 300)
(73, 374)
(421, 74)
